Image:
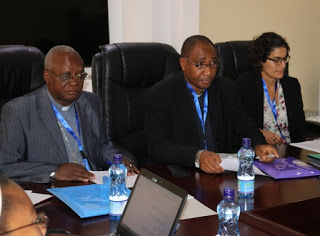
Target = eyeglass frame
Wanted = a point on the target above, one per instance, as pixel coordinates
(278, 61)
(202, 64)
(70, 77)
(42, 219)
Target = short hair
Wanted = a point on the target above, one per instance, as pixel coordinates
(263, 45)
(190, 43)
(6, 203)
(57, 49)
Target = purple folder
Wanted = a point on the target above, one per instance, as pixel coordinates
(290, 167)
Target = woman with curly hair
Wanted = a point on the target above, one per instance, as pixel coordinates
(271, 97)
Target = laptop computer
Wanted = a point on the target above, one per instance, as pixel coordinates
(153, 208)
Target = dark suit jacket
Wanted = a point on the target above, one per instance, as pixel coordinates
(171, 120)
(31, 144)
(251, 91)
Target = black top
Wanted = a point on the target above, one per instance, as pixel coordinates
(251, 92)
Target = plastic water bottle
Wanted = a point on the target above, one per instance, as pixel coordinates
(118, 192)
(245, 173)
(228, 213)
(246, 204)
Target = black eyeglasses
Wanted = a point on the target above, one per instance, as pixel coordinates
(42, 220)
(201, 66)
(278, 61)
(67, 77)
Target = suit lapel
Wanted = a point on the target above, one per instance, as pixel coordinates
(189, 107)
(50, 125)
(259, 95)
(215, 100)
(84, 115)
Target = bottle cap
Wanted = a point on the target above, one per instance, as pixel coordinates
(117, 158)
(246, 142)
(228, 193)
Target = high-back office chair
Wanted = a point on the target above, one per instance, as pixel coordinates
(21, 70)
(122, 73)
(234, 58)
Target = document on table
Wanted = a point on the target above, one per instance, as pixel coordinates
(193, 209)
(230, 162)
(313, 145)
(37, 197)
(130, 180)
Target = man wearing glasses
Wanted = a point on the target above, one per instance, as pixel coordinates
(191, 116)
(56, 132)
(18, 216)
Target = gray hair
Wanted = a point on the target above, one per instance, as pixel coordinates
(57, 49)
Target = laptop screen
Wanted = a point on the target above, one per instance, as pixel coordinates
(154, 207)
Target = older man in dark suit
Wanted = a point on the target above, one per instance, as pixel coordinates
(56, 131)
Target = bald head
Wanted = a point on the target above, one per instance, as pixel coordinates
(191, 42)
(17, 210)
(60, 49)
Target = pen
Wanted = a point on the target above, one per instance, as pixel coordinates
(267, 156)
(85, 160)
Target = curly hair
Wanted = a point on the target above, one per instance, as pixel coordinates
(191, 42)
(263, 45)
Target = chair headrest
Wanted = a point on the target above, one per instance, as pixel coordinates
(138, 64)
(21, 70)
(234, 58)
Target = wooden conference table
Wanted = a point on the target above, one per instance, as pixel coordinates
(279, 207)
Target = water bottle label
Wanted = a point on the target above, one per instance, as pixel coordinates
(117, 207)
(246, 186)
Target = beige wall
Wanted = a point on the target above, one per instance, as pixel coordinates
(296, 20)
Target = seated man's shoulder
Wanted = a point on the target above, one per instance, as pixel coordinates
(224, 82)
(248, 76)
(23, 101)
(167, 84)
(91, 97)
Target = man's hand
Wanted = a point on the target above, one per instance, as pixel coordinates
(132, 169)
(265, 152)
(73, 172)
(271, 138)
(209, 162)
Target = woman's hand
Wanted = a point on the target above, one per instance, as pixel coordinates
(271, 137)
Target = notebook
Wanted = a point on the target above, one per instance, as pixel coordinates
(153, 208)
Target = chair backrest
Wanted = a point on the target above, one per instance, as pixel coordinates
(122, 73)
(21, 70)
(234, 57)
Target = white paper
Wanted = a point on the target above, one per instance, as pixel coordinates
(313, 145)
(193, 208)
(230, 162)
(130, 180)
(37, 197)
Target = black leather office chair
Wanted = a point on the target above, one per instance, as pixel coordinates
(122, 73)
(21, 70)
(234, 58)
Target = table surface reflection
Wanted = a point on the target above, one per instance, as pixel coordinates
(277, 196)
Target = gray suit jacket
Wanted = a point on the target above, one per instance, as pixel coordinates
(31, 144)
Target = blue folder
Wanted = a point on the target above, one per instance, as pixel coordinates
(86, 201)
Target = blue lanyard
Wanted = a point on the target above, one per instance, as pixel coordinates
(273, 104)
(198, 108)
